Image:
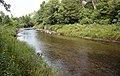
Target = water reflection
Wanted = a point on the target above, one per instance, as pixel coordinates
(29, 36)
(73, 56)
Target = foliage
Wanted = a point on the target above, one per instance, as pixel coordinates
(107, 32)
(4, 19)
(7, 6)
(70, 12)
(46, 14)
(17, 58)
(53, 12)
(109, 11)
(111, 32)
(99, 19)
(25, 21)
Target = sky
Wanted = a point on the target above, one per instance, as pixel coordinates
(22, 7)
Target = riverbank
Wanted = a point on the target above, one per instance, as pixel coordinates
(107, 33)
(19, 59)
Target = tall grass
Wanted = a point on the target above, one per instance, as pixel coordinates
(17, 58)
(108, 32)
(111, 32)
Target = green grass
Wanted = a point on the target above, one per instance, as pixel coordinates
(19, 59)
(107, 32)
(111, 32)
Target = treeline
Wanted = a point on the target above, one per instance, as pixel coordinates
(17, 58)
(26, 21)
(23, 21)
(80, 18)
(75, 11)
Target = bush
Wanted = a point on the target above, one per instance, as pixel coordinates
(86, 21)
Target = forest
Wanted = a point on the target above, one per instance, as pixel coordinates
(73, 11)
(79, 18)
(95, 18)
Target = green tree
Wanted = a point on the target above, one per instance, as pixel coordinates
(51, 8)
(4, 19)
(39, 15)
(69, 10)
(26, 21)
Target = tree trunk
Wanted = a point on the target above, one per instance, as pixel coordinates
(94, 4)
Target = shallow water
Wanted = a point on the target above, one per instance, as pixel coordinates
(75, 56)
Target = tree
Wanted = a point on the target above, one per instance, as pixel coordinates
(94, 4)
(46, 13)
(85, 2)
(4, 19)
(69, 10)
(6, 6)
(39, 15)
(49, 12)
(25, 21)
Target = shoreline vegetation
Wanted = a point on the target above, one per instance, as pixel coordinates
(19, 59)
(16, 57)
(95, 20)
(96, 32)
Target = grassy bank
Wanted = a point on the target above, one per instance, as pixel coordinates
(105, 32)
(17, 58)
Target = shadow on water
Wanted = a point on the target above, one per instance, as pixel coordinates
(73, 56)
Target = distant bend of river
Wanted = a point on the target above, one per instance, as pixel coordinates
(75, 56)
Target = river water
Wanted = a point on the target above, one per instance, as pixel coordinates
(75, 56)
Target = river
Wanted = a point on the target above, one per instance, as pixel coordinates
(74, 56)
